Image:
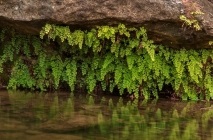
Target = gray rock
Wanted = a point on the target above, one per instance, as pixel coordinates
(160, 17)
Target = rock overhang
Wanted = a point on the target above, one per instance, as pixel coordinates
(159, 17)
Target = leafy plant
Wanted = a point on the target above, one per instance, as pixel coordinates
(190, 22)
(111, 56)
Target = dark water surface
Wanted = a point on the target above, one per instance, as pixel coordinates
(63, 116)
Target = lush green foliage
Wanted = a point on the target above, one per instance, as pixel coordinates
(113, 57)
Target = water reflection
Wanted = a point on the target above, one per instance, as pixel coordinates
(65, 116)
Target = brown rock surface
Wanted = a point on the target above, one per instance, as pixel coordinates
(161, 17)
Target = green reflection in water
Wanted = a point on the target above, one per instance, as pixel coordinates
(129, 122)
(89, 117)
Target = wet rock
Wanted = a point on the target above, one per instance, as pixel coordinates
(159, 16)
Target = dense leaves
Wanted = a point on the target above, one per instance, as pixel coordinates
(114, 57)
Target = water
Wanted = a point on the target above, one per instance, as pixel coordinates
(63, 116)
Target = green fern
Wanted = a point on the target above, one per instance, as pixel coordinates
(118, 73)
(106, 32)
(114, 56)
(36, 43)
(45, 30)
(108, 59)
(91, 81)
(57, 69)
(123, 30)
(71, 73)
(131, 60)
(194, 68)
(76, 38)
(20, 77)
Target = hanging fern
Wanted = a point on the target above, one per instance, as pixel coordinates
(20, 76)
(57, 69)
(112, 56)
(91, 82)
(118, 73)
(71, 73)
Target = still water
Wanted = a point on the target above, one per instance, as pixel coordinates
(64, 116)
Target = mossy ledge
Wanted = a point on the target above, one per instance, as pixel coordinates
(106, 58)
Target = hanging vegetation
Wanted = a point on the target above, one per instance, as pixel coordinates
(113, 57)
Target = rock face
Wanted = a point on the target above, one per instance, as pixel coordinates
(160, 17)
